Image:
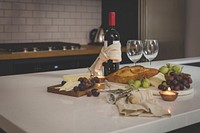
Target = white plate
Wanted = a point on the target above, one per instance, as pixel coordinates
(155, 91)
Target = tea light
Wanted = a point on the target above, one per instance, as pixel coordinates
(100, 85)
(168, 95)
(101, 78)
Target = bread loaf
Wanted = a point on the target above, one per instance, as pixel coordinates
(131, 72)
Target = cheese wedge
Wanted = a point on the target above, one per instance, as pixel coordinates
(75, 77)
(157, 79)
(68, 86)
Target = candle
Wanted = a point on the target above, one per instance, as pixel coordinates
(101, 78)
(100, 85)
(101, 82)
(168, 95)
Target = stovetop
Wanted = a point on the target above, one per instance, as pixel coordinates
(37, 47)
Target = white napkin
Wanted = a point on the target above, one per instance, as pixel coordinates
(112, 52)
(143, 104)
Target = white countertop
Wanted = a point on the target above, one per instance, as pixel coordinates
(26, 106)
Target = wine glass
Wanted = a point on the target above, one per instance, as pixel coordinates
(150, 49)
(134, 50)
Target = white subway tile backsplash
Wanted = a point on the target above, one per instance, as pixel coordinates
(1, 28)
(26, 14)
(71, 21)
(45, 35)
(5, 21)
(58, 35)
(86, 15)
(58, 8)
(11, 13)
(26, 1)
(64, 28)
(1, 13)
(20, 21)
(52, 14)
(75, 28)
(20, 6)
(75, 15)
(58, 22)
(25, 28)
(5, 5)
(81, 9)
(45, 7)
(70, 8)
(64, 15)
(52, 1)
(5, 37)
(39, 14)
(33, 21)
(39, 28)
(18, 36)
(11, 28)
(81, 22)
(52, 28)
(32, 36)
(48, 20)
(39, 1)
(32, 6)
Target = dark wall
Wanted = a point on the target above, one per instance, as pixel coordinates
(126, 17)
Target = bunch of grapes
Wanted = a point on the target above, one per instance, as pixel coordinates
(135, 84)
(174, 78)
(85, 83)
(168, 68)
(93, 92)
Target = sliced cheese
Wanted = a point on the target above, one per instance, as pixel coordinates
(69, 85)
(75, 77)
(157, 79)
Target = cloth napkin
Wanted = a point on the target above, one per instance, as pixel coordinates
(141, 103)
(112, 52)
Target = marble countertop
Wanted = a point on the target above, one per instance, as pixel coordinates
(26, 106)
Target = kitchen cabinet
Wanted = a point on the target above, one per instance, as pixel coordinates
(163, 20)
(31, 65)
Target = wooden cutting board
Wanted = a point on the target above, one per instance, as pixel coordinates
(53, 89)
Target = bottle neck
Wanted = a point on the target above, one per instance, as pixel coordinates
(112, 19)
(111, 27)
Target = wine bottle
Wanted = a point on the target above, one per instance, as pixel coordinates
(111, 37)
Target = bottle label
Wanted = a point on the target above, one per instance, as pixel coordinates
(114, 42)
(106, 43)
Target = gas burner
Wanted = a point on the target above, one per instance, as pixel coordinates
(49, 48)
(64, 48)
(25, 50)
(72, 47)
(34, 49)
(38, 46)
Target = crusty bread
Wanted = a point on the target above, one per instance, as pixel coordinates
(131, 72)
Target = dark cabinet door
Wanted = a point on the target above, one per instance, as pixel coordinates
(6, 67)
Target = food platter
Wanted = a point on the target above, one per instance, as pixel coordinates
(53, 89)
(77, 85)
(154, 90)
